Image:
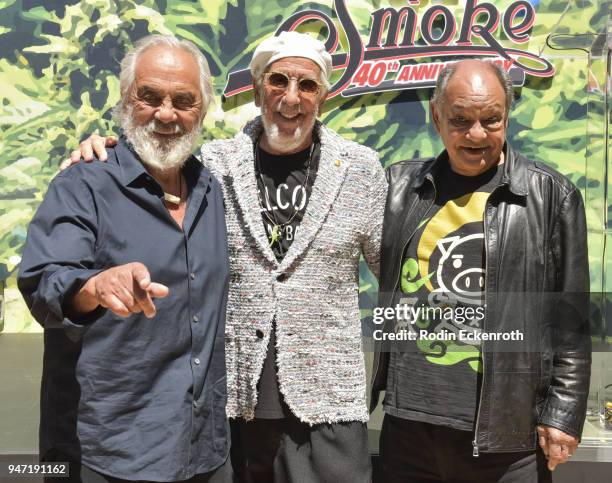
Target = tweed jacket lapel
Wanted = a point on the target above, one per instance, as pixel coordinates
(245, 185)
(330, 175)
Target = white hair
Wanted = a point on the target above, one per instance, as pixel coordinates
(129, 62)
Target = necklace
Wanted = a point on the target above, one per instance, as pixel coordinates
(175, 200)
(278, 229)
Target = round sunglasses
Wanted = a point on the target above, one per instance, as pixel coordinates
(280, 82)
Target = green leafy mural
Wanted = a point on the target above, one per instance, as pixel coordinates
(59, 64)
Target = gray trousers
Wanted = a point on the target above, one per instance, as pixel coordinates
(289, 451)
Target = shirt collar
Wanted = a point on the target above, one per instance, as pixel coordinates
(131, 166)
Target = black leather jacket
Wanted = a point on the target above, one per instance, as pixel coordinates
(536, 281)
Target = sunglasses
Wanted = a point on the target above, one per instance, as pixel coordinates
(280, 81)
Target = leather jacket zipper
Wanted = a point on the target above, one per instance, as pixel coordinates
(476, 451)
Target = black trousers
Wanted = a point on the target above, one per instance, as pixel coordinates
(416, 452)
(289, 451)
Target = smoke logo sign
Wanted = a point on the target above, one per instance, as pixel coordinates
(408, 51)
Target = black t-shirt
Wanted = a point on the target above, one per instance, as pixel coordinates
(285, 183)
(284, 192)
(443, 268)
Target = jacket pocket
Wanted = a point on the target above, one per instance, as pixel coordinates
(518, 414)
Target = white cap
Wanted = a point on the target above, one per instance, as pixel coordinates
(290, 44)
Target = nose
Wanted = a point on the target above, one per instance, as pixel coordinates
(477, 132)
(165, 112)
(292, 95)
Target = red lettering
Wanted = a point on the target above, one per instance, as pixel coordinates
(378, 73)
(403, 75)
(361, 76)
(429, 71)
(414, 73)
(419, 71)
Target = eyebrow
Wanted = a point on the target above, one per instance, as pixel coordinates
(186, 95)
(290, 74)
(462, 105)
(146, 89)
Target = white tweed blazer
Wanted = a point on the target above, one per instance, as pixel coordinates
(312, 292)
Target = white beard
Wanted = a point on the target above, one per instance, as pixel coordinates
(159, 154)
(284, 143)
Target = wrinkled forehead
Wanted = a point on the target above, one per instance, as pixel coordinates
(295, 67)
(167, 66)
(474, 90)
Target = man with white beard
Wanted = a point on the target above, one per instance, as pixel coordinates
(302, 204)
(126, 268)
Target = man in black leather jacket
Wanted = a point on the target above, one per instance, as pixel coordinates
(494, 390)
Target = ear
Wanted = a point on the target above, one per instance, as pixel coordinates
(435, 116)
(256, 94)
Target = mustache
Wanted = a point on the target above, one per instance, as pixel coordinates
(289, 110)
(155, 126)
(155, 152)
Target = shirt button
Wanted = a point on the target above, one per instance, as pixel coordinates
(197, 361)
(281, 277)
(259, 334)
(195, 404)
(192, 275)
(196, 318)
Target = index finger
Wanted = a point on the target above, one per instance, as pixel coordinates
(141, 276)
(554, 456)
(144, 300)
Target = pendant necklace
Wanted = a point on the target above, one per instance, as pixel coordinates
(278, 229)
(175, 200)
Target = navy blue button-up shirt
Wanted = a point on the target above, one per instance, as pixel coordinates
(133, 398)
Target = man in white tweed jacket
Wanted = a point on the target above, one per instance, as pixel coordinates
(302, 204)
(304, 295)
